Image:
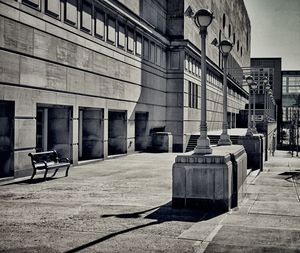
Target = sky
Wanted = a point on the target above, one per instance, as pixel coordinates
(275, 30)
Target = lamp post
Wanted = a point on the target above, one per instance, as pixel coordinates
(203, 19)
(267, 88)
(249, 80)
(254, 87)
(225, 47)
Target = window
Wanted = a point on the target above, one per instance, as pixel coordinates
(121, 35)
(158, 55)
(138, 46)
(152, 52)
(233, 38)
(193, 95)
(99, 24)
(247, 41)
(32, 3)
(241, 51)
(238, 45)
(111, 30)
(52, 8)
(224, 21)
(146, 49)
(130, 40)
(229, 30)
(71, 12)
(86, 16)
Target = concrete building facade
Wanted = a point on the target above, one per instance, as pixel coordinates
(92, 79)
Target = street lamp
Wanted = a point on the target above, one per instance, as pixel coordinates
(254, 87)
(267, 88)
(203, 19)
(249, 80)
(225, 47)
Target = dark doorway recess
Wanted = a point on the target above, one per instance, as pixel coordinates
(141, 131)
(117, 132)
(90, 133)
(7, 110)
(54, 129)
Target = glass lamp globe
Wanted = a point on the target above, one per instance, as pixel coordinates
(249, 80)
(203, 18)
(225, 47)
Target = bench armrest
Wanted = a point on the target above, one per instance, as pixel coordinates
(66, 160)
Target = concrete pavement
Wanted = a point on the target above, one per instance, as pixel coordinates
(123, 205)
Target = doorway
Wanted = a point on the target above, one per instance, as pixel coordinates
(117, 132)
(7, 109)
(90, 134)
(54, 124)
(141, 127)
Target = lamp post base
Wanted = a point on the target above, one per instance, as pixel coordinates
(224, 140)
(254, 130)
(249, 132)
(203, 146)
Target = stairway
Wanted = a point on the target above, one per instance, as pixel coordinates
(213, 141)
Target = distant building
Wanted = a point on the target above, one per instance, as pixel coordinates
(271, 68)
(290, 94)
(92, 79)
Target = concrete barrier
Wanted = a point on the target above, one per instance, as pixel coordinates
(162, 142)
(210, 182)
(254, 146)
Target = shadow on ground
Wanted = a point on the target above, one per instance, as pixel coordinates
(164, 213)
(31, 181)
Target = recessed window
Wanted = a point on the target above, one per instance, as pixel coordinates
(233, 38)
(99, 24)
(138, 46)
(130, 40)
(224, 21)
(121, 35)
(247, 41)
(229, 31)
(238, 45)
(146, 49)
(241, 51)
(111, 30)
(86, 16)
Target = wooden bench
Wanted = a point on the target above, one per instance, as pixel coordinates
(46, 161)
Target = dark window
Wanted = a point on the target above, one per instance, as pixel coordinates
(224, 21)
(229, 31)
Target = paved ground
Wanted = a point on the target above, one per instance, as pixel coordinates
(123, 205)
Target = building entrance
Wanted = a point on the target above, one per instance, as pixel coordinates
(141, 128)
(90, 133)
(6, 139)
(54, 129)
(117, 132)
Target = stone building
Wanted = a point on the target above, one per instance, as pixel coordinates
(270, 67)
(95, 78)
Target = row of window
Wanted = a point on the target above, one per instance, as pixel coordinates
(193, 95)
(238, 48)
(104, 25)
(194, 68)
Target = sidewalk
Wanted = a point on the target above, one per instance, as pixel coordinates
(123, 205)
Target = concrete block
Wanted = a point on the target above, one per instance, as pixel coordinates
(33, 72)
(17, 37)
(162, 142)
(44, 45)
(22, 163)
(25, 133)
(75, 81)
(10, 67)
(56, 77)
(252, 145)
(210, 180)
